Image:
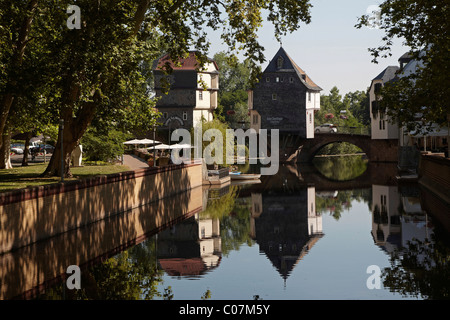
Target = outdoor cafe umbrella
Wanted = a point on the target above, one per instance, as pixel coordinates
(134, 141)
(148, 141)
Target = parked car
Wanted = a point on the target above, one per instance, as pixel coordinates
(17, 148)
(326, 128)
(48, 148)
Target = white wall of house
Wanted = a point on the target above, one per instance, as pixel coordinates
(314, 220)
(313, 100)
(381, 128)
(312, 104)
(387, 199)
(207, 98)
(197, 116)
(309, 123)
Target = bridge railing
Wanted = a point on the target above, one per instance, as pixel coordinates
(364, 131)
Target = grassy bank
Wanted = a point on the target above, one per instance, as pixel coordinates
(29, 176)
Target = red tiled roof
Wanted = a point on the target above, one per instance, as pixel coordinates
(189, 63)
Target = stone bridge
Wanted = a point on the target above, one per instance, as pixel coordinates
(294, 149)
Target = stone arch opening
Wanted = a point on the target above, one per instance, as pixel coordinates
(322, 143)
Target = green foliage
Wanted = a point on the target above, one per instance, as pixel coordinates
(423, 27)
(103, 146)
(355, 104)
(235, 80)
(226, 145)
(421, 269)
(341, 168)
(339, 149)
(234, 216)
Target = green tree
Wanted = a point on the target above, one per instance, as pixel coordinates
(97, 69)
(359, 106)
(423, 27)
(235, 80)
(350, 110)
(103, 146)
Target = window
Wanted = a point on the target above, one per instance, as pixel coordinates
(377, 88)
(280, 62)
(165, 115)
(281, 79)
(291, 80)
(185, 115)
(267, 79)
(255, 119)
(309, 96)
(310, 118)
(274, 96)
(384, 124)
(381, 125)
(200, 95)
(277, 79)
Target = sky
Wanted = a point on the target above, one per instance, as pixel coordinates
(330, 49)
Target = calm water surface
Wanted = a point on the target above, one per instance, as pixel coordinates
(306, 233)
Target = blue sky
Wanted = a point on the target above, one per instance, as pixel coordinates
(330, 49)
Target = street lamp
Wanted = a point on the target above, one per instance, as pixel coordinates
(61, 132)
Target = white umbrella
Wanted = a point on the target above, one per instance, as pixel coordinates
(160, 146)
(135, 141)
(148, 141)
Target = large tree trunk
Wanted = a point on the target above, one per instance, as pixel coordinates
(5, 150)
(16, 61)
(26, 150)
(74, 128)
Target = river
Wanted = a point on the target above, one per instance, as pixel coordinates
(337, 230)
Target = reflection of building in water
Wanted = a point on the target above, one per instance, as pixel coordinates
(190, 248)
(285, 226)
(397, 219)
(386, 217)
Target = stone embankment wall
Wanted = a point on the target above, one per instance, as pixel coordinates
(34, 214)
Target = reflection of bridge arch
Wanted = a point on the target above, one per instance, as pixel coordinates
(292, 177)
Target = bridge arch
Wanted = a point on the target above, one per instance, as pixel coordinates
(311, 148)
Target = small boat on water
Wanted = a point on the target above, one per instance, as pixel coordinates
(244, 176)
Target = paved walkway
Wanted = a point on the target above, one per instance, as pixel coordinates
(134, 162)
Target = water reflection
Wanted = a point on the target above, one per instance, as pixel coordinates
(285, 225)
(419, 248)
(191, 248)
(283, 219)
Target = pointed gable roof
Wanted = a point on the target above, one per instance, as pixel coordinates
(289, 65)
(387, 74)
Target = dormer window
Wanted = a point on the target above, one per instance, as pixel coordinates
(280, 63)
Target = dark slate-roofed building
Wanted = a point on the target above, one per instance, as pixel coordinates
(187, 101)
(285, 98)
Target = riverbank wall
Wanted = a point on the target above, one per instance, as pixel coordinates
(434, 175)
(34, 214)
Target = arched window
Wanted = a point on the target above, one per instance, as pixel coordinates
(280, 62)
